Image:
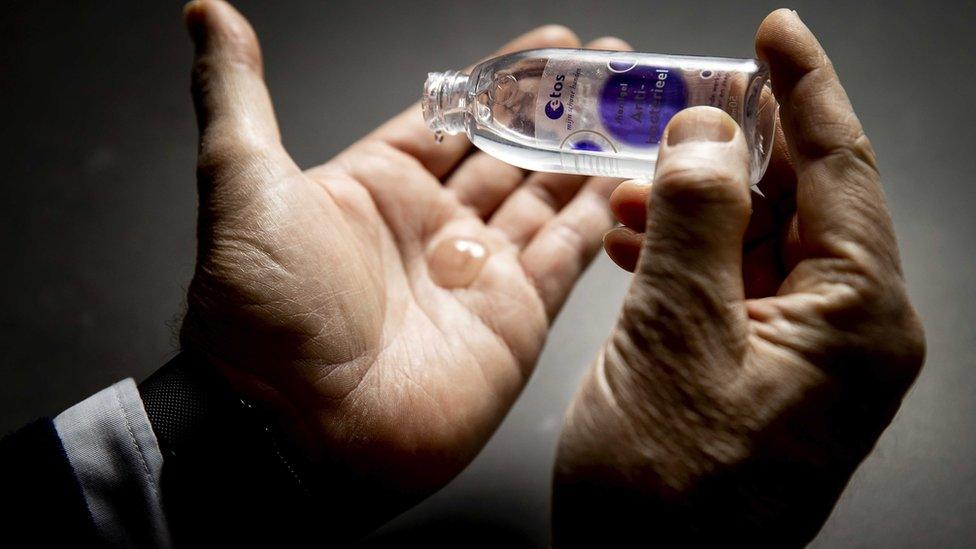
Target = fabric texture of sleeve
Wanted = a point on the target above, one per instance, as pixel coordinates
(113, 451)
(230, 478)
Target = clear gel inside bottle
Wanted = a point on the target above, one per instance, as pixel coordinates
(595, 112)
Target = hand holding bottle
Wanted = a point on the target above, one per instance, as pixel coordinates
(743, 385)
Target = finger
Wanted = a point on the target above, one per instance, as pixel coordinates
(408, 132)
(234, 112)
(629, 203)
(623, 245)
(560, 252)
(533, 205)
(840, 203)
(778, 183)
(762, 264)
(482, 182)
(537, 201)
(697, 217)
(765, 239)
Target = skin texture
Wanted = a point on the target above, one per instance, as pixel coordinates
(314, 292)
(765, 343)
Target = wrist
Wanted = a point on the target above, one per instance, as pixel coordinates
(225, 467)
(228, 464)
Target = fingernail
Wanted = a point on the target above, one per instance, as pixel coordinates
(700, 124)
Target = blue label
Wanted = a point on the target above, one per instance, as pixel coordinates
(637, 103)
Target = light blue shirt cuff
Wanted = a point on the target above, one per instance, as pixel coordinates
(111, 446)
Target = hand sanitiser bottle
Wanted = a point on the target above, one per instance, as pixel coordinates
(595, 112)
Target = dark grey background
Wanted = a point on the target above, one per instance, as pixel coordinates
(97, 222)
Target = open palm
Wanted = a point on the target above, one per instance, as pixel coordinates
(320, 293)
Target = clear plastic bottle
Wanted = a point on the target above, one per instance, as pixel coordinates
(595, 112)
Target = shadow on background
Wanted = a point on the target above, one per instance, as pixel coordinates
(492, 515)
(454, 531)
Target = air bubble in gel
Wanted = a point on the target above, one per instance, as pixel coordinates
(595, 112)
(456, 262)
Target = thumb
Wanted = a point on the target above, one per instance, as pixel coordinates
(238, 131)
(690, 269)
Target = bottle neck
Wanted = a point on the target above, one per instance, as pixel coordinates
(445, 102)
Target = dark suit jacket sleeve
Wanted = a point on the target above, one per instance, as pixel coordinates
(43, 500)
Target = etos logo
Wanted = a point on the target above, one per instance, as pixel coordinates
(554, 108)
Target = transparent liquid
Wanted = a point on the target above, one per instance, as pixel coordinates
(551, 159)
(595, 112)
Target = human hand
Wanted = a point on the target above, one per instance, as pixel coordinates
(336, 297)
(756, 360)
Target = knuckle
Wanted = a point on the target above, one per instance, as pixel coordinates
(241, 47)
(871, 304)
(235, 53)
(225, 154)
(914, 338)
(834, 131)
(546, 193)
(569, 237)
(872, 280)
(858, 150)
(860, 283)
(214, 156)
(689, 182)
(208, 66)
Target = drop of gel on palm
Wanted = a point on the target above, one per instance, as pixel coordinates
(456, 262)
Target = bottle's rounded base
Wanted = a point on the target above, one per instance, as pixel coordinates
(759, 123)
